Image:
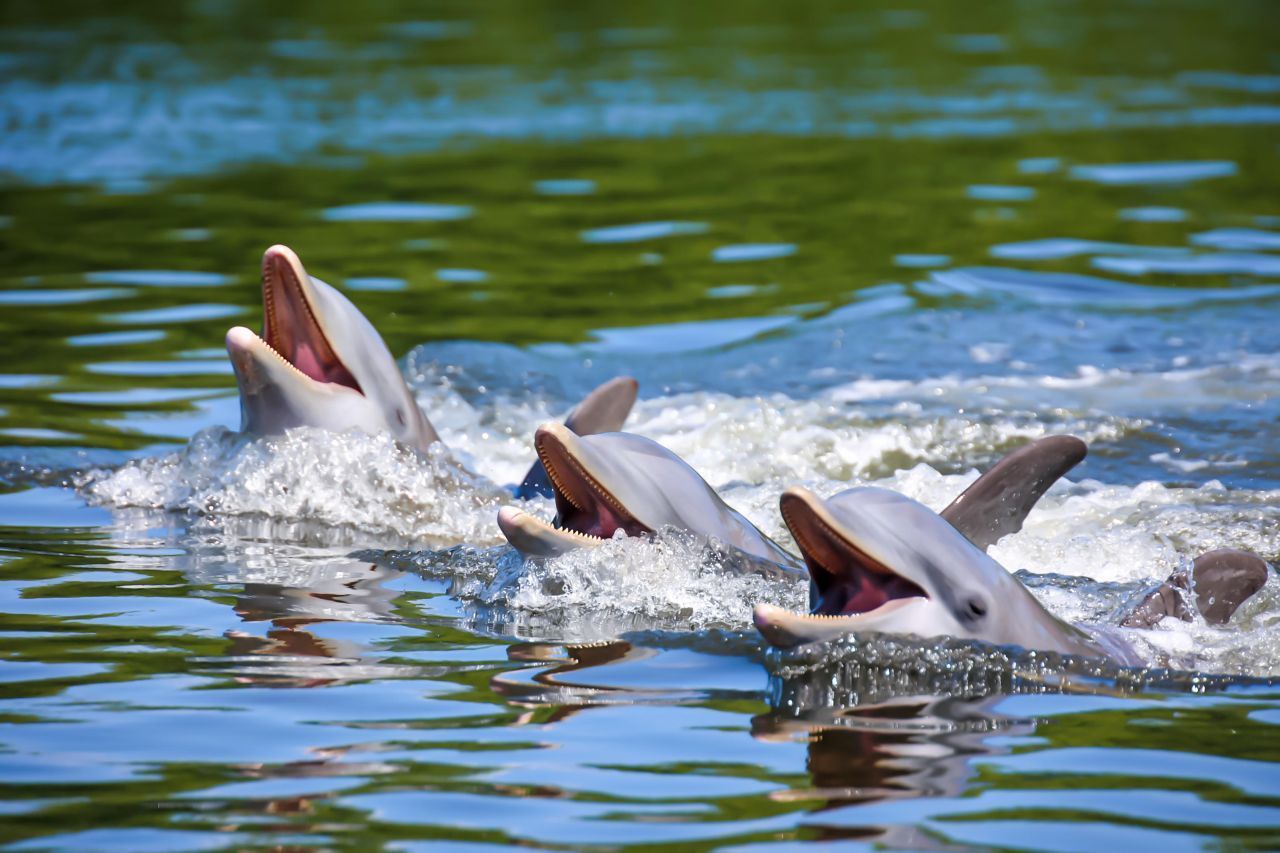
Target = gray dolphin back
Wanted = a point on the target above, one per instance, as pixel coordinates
(998, 502)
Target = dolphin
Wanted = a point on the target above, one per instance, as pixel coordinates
(999, 501)
(882, 562)
(613, 483)
(320, 362)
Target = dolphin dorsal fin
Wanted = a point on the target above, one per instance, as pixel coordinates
(998, 502)
(605, 409)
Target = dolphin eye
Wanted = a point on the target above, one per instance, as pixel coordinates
(974, 609)
(401, 418)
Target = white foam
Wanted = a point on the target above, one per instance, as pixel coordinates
(347, 479)
(1090, 391)
(670, 580)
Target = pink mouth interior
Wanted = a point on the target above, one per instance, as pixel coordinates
(846, 581)
(600, 520)
(855, 589)
(291, 328)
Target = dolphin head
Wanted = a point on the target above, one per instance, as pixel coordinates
(319, 362)
(617, 481)
(883, 562)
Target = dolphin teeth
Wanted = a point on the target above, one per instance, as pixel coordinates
(558, 483)
(591, 537)
(588, 536)
(284, 360)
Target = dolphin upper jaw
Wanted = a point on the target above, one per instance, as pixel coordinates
(587, 510)
(578, 478)
(295, 323)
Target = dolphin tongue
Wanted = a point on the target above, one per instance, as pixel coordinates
(842, 599)
(604, 524)
(310, 360)
(845, 579)
(306, 359)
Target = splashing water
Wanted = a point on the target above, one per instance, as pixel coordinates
(350, 479)
(1089, 549)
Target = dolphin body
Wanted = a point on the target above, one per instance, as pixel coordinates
(320, 362)
(618, 482)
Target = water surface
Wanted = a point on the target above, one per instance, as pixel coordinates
(835, 244)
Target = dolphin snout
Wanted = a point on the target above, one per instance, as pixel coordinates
(241, 346)
(239, 339)
(769, 622)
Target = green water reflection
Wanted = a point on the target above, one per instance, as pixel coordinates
(852, 210)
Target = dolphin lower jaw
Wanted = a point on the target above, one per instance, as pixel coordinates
(533, 537)
(291, 327)
(786, 628)
(253, 355)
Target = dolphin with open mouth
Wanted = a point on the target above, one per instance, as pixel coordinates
(882, 562)
(614, 482)
(617, 482)
(320, 362)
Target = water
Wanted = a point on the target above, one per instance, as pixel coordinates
(835, 244)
